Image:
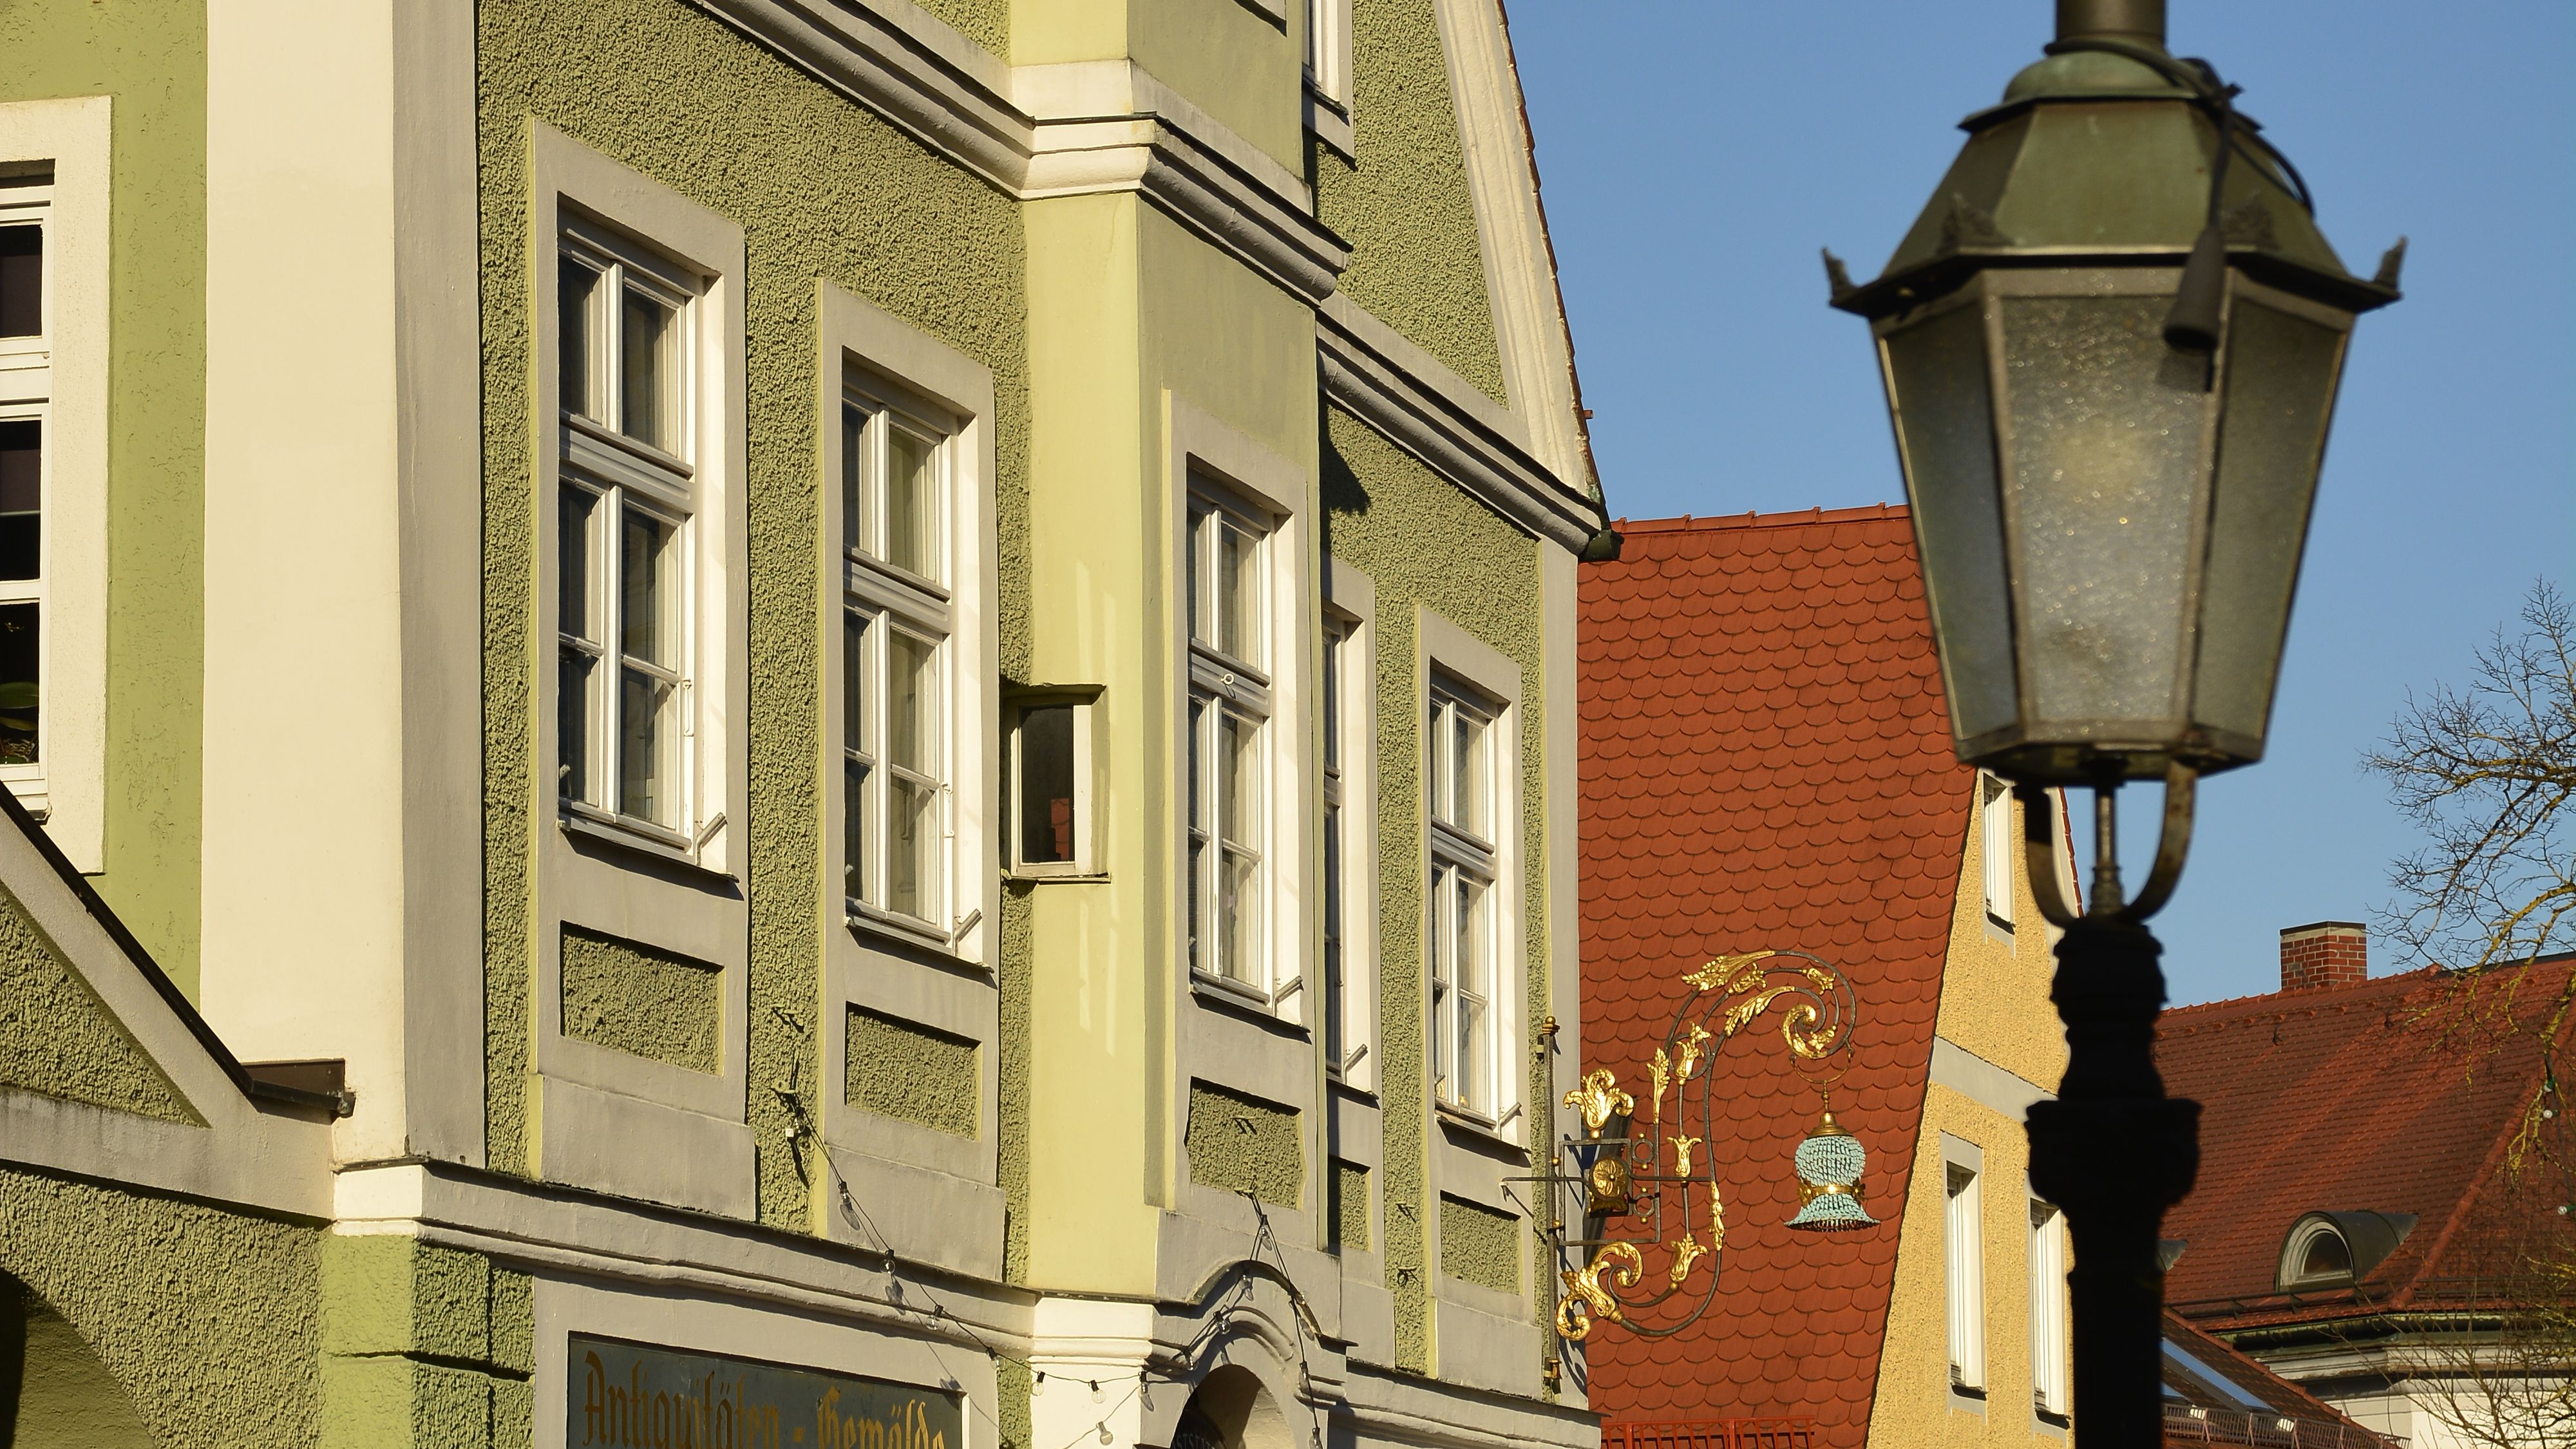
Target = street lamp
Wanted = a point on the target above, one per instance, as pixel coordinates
(2111, 345)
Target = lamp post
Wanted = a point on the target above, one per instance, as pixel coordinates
(2111, 345)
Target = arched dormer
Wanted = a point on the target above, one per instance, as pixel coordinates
(2338, 1249)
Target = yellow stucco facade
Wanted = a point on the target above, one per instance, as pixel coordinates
(1958, 1367)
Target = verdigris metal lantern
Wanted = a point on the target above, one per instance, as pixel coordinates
(2111, 346)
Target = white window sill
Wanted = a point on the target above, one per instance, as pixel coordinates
(1476, 1124)
(627, 837)
(1248, 1001)
(866, 919)
(1034, 874)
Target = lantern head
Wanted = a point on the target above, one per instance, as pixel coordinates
(1830, 1164)
(2110, 448)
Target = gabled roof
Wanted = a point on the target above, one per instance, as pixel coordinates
(2393, 1095)
(1765, 762)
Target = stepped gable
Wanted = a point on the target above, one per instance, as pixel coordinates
(2396, 1094)
(1766, 762)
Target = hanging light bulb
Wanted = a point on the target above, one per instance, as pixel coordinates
(1830, 1164)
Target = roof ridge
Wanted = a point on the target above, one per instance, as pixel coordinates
(1751, 519)
(2285, 998)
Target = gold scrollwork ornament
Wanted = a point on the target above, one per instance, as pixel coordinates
(1685, 1252)
(1587, 1299)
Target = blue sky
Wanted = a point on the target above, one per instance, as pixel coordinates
(1696, 153)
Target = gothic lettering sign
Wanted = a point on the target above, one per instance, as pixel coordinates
(630, 1396)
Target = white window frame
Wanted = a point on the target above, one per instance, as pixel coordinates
(607, 877)
(61, 381)
(895, 600)
(1350, 692)
(623, 476)
(1208, 458)
(1454, 662)
(1325, 34)
(2051, 1391)
(1997, 855)
(1963, 1263)
(1224, 689)
(880, 962)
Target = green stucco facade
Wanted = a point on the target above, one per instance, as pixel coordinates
(151, 60)
(56, 1037)
(1243, 1144)
(912, 1073)
(644, 1002)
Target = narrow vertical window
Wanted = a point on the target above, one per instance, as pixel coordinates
(1995, 845)
(1964, 1255)
(898, 624)
(1049, 764)
(623, 523)
(26, 353)
(2048, 1343)
(1229, 714)
(1338, 637)
(1465, 863)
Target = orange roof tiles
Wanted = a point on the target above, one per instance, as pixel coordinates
(1765, 762)
(2390, 1095)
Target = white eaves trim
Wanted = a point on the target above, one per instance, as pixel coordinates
(1061, 130)
(1387, 382)
(1997, 1089)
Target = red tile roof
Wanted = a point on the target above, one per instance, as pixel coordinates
(1766, 762)
(2396, 1094)
(2216, 1395)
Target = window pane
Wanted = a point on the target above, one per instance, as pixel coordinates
(1196, 587)
(19, 656)
(1046, 784)
(575, 587)
(912, 488)
(1334, 1050)
(912, 702)
(1238, 587)
(22, 281)
(572, 725)
(1197, 805)
(1334, 638)
(1239, 902)
(854, 829)
(912, 843)
(1239, 785)
(648, 749)
(1475, 1063)
(649, 594)
(854, 682)
(22, 498)
(576, 299)
(854, 473)
(1444, 880)
(647, 356)
(1465, 772)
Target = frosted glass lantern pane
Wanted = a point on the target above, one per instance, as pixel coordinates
(2106, 423)
(2281, 374)
(1945, 433)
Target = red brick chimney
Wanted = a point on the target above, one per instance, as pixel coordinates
(2329, 953)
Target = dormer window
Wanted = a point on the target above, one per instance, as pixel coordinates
(2338, 1249)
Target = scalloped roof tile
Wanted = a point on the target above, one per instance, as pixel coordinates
(1765, 761)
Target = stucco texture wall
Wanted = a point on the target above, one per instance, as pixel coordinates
(1401, 201)
(56, 1037)
(1480, 1246)
(985, 22)
(645, 1002)
(822, 188)
(1994, 984)
(1425, 543)
(912, 1073)
(152, 60)
(208, 1319)
(423, 1345)
(1242, 1144)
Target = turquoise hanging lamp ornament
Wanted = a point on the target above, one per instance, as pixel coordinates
(1830, 1164)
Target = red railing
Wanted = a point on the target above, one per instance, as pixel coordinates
(1711, 1434)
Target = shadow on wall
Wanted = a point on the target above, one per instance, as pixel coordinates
(54, 1392)
(1229, 1410)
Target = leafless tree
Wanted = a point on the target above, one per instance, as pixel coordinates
(2489, 773)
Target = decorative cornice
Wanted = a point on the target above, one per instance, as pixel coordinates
(1066, 130)
(1471, 442)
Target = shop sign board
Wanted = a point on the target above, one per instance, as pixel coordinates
(634, 1396)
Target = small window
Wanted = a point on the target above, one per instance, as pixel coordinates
(1466, 862)
(1345, 814)
(2049, 1393)
(1964, 1255)
(1995, 841)
(2317, 1256)
(1050, 784)
(22, 269)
